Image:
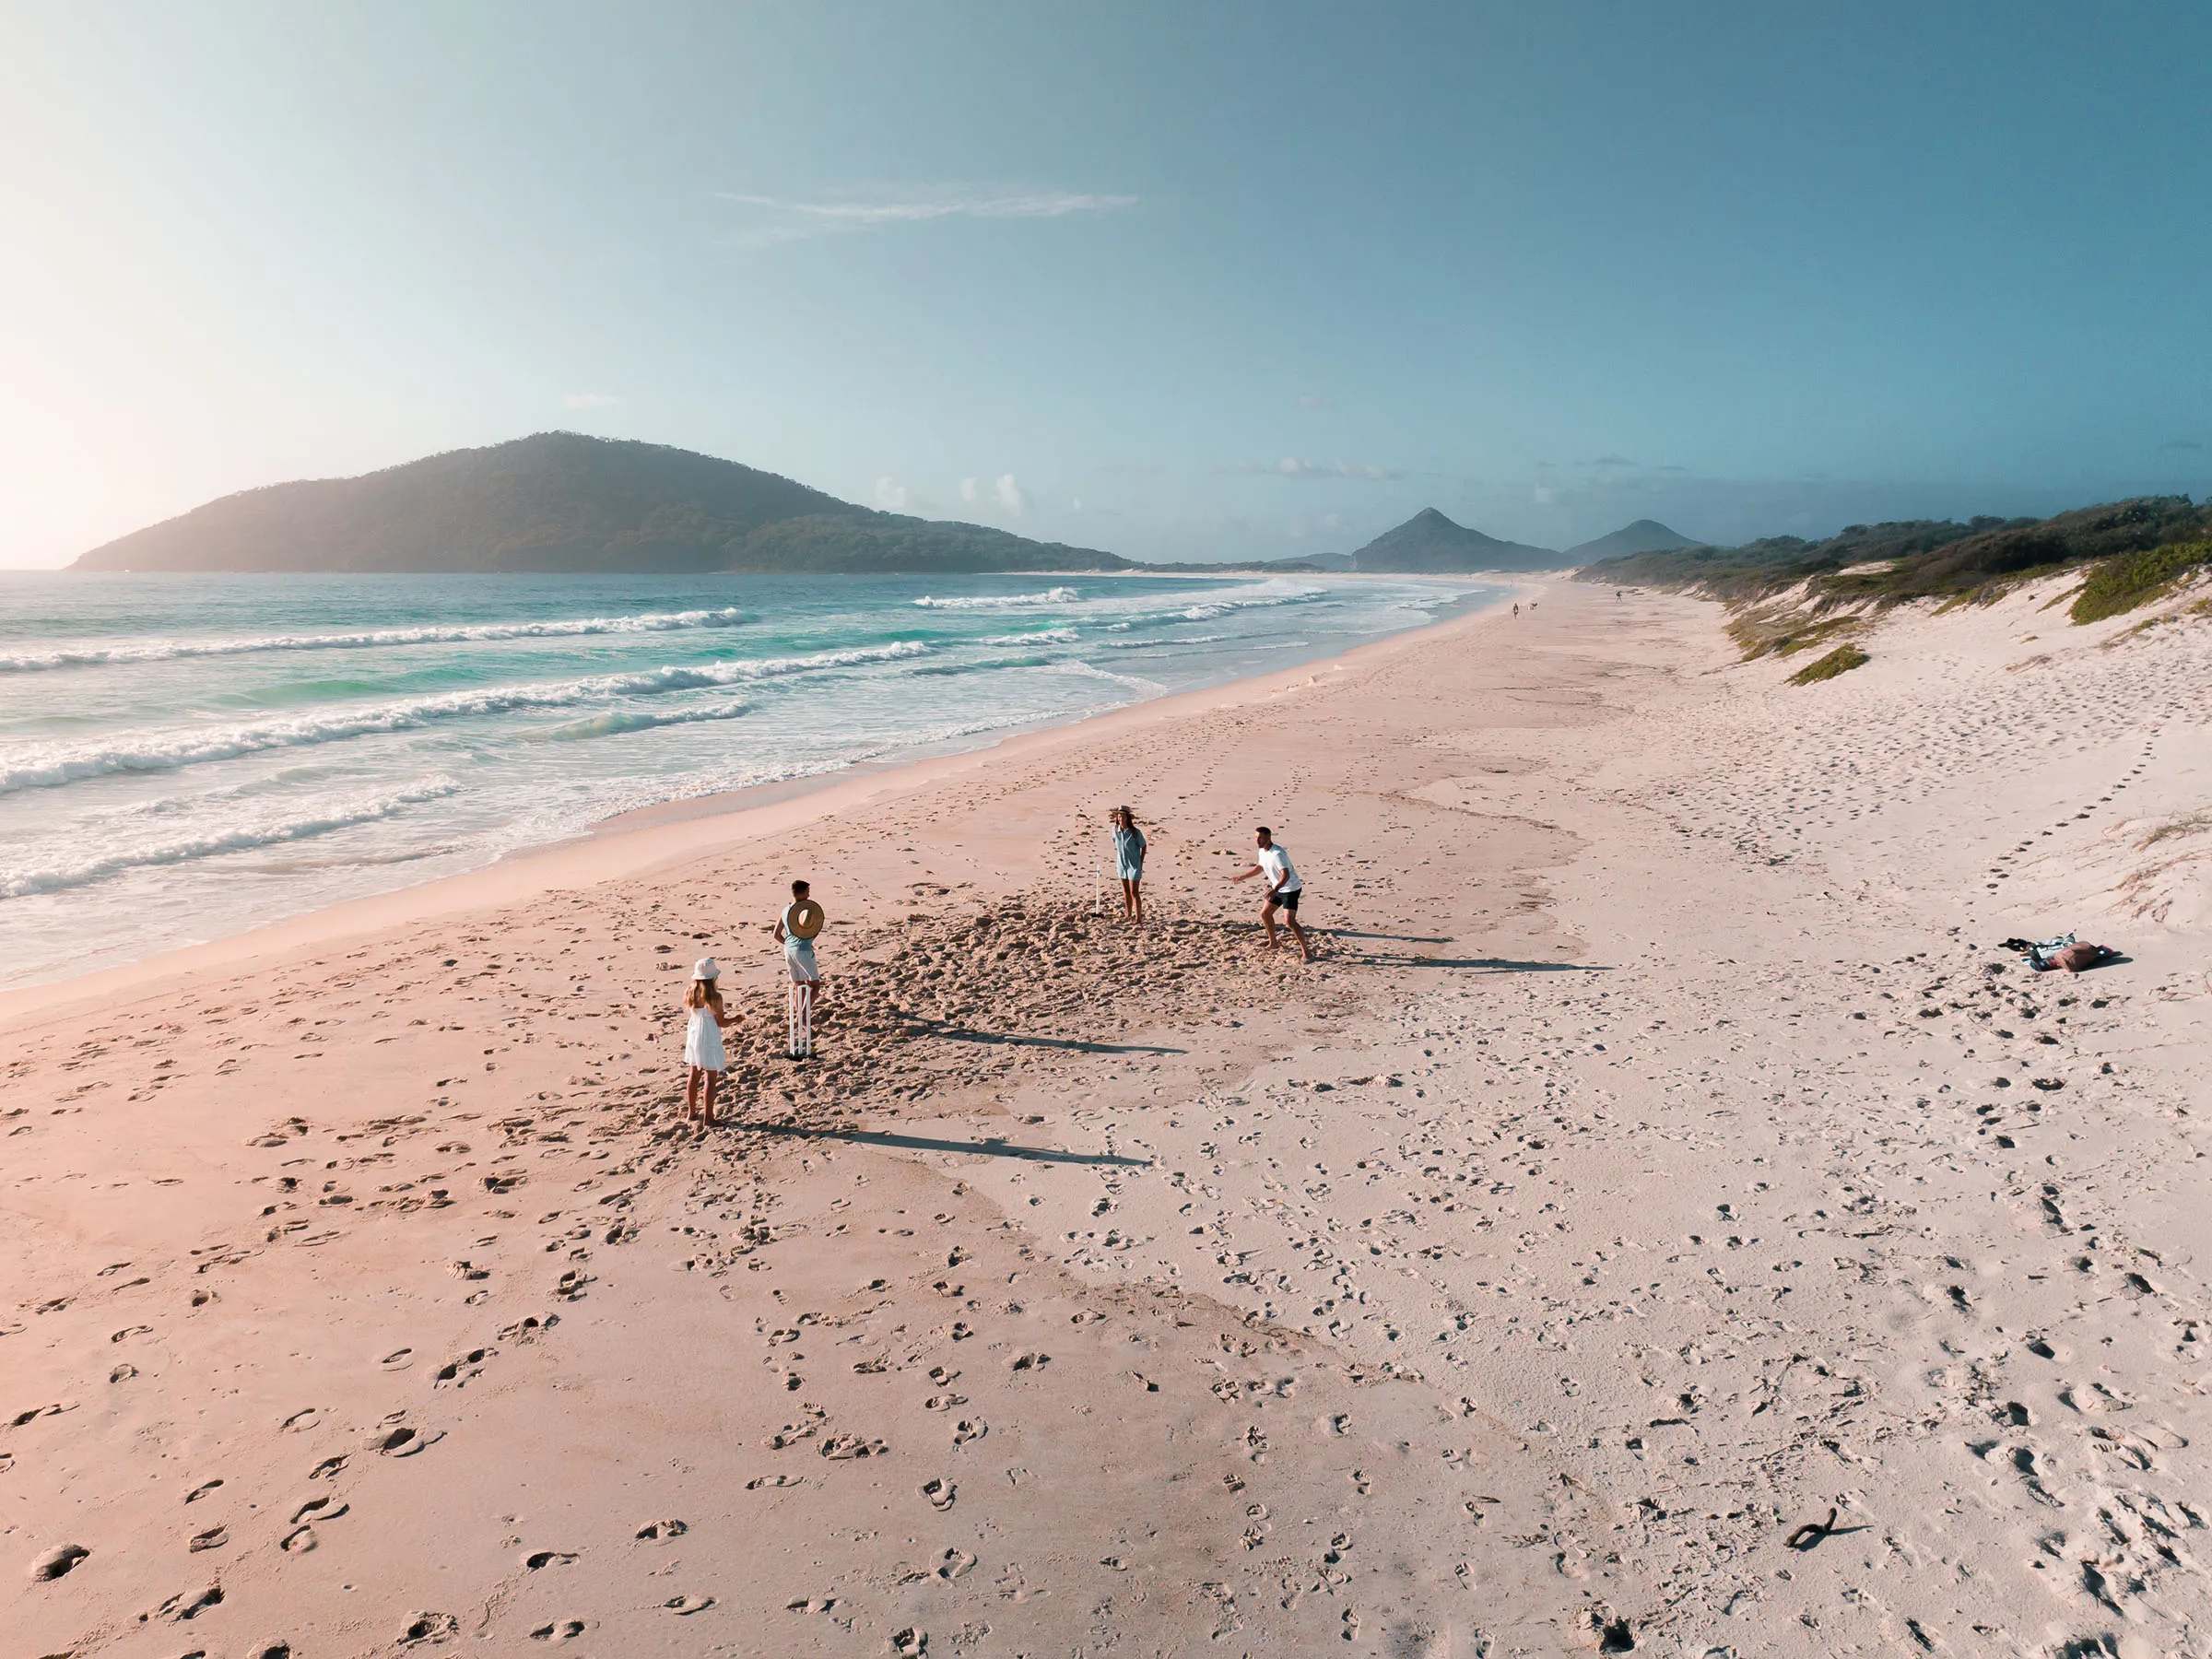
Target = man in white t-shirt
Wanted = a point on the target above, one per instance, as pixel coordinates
(1284, 888)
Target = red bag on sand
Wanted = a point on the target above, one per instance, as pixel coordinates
(2075, 958)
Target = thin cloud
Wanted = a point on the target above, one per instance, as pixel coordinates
(891, 494)
(787, 219)
(1001, 491)
(1313, 401)
(1291, 467)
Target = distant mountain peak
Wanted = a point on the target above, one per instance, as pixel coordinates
(1429, 542)
(1646, 535)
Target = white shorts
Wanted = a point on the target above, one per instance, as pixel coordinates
(798, 956)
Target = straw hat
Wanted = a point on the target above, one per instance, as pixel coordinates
(804, 920)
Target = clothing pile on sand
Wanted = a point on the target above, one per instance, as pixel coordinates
(2066, 951)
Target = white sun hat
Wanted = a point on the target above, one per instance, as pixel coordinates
(704, 968)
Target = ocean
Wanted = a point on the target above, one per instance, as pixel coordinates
(184, 757)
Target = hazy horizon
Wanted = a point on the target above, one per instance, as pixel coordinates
(1176, 284)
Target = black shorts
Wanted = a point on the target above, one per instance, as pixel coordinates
(1285, 900)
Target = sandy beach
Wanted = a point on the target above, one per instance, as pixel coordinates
(1661, 1156)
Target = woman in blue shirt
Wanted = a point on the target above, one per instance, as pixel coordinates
(1129, 862)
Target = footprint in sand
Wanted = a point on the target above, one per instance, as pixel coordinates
(548, 1557)
(953, 1563)
(202, 1491)
(307, 1417)
(815, 1604)
(57, 1562)
(661, 1530)
(215, 1537)
(909, 1644)
(567, 1630)
(462, 1371)
(940, 1493)
(685, 1605)
(967, 1430)
(430, 1627)
(773, 1481)
(404, 1441)
(190, 1604)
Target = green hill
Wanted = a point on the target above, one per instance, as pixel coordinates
(1428, 543)
(1646, 535)
(1918, 559)
(561, 501)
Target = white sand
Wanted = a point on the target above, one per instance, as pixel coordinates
(1630, 1182)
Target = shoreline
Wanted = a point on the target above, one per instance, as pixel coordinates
(641, 840)
(728, 801)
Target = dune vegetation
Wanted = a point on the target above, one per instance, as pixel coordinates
(1842, 660)
(1922, 559)
(2131, 581)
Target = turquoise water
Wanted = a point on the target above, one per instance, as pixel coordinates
(184, 758)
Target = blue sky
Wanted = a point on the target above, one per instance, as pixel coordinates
(1193, 280)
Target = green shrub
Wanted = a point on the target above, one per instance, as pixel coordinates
(1922, 559)
(1842, 660)
(2122, 583)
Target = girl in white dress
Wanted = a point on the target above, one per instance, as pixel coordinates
(703, 1059)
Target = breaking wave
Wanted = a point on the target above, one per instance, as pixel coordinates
(1059, 595)
(49, 765)
(168, 651)
(116, 854)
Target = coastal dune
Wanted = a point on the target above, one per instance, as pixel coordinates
(1660, 1157)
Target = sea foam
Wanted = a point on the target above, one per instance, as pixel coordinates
(1059, 595)
(51, 765)
(40, 870)
(169, 651)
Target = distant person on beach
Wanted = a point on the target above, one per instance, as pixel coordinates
(704, 1059)
(1284, 888)
(1517, 608)
(1129, 861)
(795, 929)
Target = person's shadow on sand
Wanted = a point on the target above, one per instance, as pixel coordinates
(952, 1033)
(1375, 958)
(990, 1147)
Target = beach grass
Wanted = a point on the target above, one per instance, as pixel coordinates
(2131, 579)
(1842, 660)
